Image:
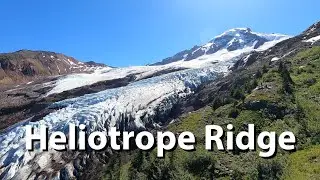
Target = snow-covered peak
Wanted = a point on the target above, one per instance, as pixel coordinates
(245, 32)
(239, 38)
(234, 32)
(233, 40)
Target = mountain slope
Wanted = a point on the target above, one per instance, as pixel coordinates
(277, 91)
(24, 66)
(153, 101)
(227, 43)
(222, 51)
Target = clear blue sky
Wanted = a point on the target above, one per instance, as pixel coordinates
(137, 32)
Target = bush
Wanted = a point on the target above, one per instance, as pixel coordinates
(258, 74)
(160, 170)
(286, 79)
(270, 171)
(138, 160)
(217, 102)
(236, 175)
(251, 85)
(310, 82)
(202, 166)
(238, 94)
(233, 113)
(221, 100)
(264, 69)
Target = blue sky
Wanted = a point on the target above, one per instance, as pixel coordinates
(137, 32)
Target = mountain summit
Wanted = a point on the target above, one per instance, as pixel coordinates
(241, 39)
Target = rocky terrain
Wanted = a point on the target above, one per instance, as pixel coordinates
(277, 89)
(239, 77)
(25, 66)
(231, 40)
(25, 76)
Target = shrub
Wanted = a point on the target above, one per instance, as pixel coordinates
(202, 166)
(160, 170)
(138, 160)
(258, 74)
(310, 82)
(264, 69)
(238, 94)
(286, 79)
(233, 113)
(270, 171)
(236, 174)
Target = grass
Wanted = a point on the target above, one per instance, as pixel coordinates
(304, 164)
(307, 95)
(302, 115)
(269, 88)
(193, 122)
(124, 171)
(249, 117)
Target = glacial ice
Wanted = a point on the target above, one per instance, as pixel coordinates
(105, 109)
(137, 102)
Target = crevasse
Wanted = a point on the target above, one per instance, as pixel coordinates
(133, 105)
(106, 109)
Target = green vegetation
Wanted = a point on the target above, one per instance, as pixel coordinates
(283, 97)
(304, 164)
(306, 76)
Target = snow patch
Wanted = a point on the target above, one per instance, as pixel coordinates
(103, 74)
(71, 62)
(312, 40)
(275, 59)
(245, 60)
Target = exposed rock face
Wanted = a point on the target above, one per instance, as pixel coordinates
(93, 64)
(313, 29)
(29, 100)
(248, 64)
(230, 40)
(24, 66)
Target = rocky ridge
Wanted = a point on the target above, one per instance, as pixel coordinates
(25, 66)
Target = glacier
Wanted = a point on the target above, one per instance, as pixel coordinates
(105, 109)
(135, 105)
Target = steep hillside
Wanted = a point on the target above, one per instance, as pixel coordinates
(40, 89)
(278, 90)
(227, 44)
(25, 66)
(273, 85)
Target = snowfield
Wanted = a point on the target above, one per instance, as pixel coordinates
(137, 102)
(103, 74)
(313, 39)
(78, 80)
